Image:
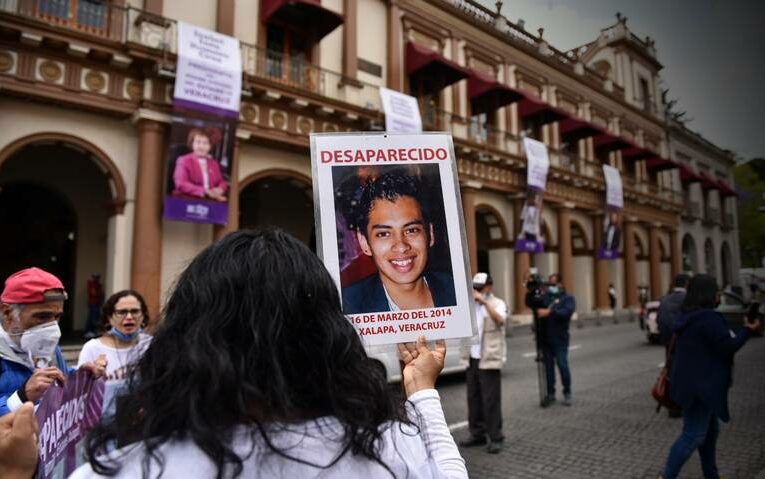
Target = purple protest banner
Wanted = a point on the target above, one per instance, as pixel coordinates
(65, 415)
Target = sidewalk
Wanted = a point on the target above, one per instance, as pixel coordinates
(613, 432)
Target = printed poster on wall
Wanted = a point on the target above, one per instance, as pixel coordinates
(65, 416)
(531, 238)
(402, 112)
(612, 222)
(390, 231)
(206, 106)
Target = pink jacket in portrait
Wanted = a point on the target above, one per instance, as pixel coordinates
(188, 177)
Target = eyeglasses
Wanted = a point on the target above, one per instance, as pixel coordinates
(122, 313)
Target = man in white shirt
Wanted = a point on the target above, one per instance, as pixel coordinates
(483, 377)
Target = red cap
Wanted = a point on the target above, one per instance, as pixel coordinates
(30, 286)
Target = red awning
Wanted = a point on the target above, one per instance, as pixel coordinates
(430, 70)
(606, 141)
(635, 153)
(659, 163)
(307, 15)
(707, 182)
(725, 189)
(574, 129)
(688, 174)
(487, 94)
(531, 108)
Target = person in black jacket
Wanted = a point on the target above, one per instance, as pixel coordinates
(701, 374)
(669, 308)
(555, 337)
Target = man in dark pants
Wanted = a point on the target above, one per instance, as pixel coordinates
(483, 376)
(555, 337)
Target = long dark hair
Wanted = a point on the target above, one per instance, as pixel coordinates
(701, 293)
(107, 310)
(253, 333)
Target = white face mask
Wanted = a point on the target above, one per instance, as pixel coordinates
(40, 343)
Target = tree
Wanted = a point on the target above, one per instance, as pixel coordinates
(750, 182)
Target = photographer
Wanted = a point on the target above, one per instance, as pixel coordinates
(555, 319)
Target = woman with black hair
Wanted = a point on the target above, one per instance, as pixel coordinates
(701, 374)
(255, 372)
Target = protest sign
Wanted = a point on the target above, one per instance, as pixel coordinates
(402, 112)
(65, 415)
(531, 238)
(612, 222)
(209, 72)
(206, 100)
(390, 231)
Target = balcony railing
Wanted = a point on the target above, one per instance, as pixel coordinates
(711, 216)
(692, 210)
(92, 17)
(728, 222)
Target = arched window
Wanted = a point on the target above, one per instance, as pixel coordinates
(690, 261)
(709, 257)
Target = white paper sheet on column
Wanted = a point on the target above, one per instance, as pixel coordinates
(209, 71)
(614, 193)
(402, 112)
(538, 163)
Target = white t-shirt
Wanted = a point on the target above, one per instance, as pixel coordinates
(431, 453)
(118, 358)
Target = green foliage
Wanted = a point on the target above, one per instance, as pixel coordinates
(750, 181)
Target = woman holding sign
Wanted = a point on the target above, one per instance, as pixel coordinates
(255, 372)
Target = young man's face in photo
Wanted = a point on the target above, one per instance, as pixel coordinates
(397, 239)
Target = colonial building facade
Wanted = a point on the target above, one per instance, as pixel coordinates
(85, 104)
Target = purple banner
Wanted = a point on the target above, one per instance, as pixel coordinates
(198, 211)
(206, 109)
(604, 253)
(65, 416)
(529, 246)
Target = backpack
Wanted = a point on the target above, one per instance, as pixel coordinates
(660, 390)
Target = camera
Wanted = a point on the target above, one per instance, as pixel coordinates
(534, 290)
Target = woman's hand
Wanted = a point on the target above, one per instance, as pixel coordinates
(421, 365)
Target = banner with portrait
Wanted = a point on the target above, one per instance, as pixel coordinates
(390, 230)
(207, 94)
(612, 221)
(65, 415)
(531, 232)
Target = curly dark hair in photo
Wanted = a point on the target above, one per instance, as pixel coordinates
(107, 310)
(389, 186)
(252, 334)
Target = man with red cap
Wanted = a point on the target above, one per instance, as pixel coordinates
(31, 306)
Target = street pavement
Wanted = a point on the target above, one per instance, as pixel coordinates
(612, 430)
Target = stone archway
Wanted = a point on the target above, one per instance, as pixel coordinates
(280, 198)
(71, 191)
(710, 262)
(726, 263)
(690, 257)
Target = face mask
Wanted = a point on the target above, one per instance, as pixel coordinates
(553, 289)
(124, 337)
(40, 343)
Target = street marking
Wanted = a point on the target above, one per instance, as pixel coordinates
(458, 425)
(570, 348)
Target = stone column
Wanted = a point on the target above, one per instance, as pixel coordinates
(146, 265)
(565, 253)
(630, 266)
(395, 62)
(225, 17)
(468, 209)
(654, 254)
(676, 255)
(220, 231)
(521, 266)
(350, 58)
(600, 266)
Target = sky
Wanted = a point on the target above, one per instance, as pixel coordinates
(713, 54)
